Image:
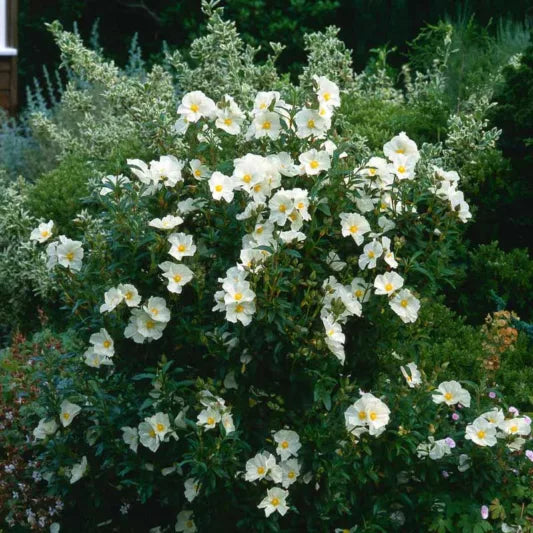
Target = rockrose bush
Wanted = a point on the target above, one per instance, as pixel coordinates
(242, 296)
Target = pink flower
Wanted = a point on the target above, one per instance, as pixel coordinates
(450, 442)
(484, 512)
(492, 394)
(455, 416)
(513, 410)
(529, 455)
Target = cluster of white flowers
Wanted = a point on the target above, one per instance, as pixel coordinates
(101, 351)
(215, 411)
(492, 425)
(413, 377)
(64, 252)
(165, 172)
(150, 433)
(125, 292)
(367, 415)
(264, 466)
(147, 324)
(236, 298)
(435, 449)
(48, 426)
(446, 189)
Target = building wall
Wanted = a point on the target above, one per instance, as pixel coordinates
(8, 63)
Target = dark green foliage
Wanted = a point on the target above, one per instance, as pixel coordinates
(514, 115)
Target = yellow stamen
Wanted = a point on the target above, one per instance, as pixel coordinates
(210, 421)
(284, 444)
(194, 108)
(310, 124)
(448, 396)
(314, 164)
(181, 248)
(107, 344)
(403, 303)
(177, 278)
(481, 434)
(228, 121)
(389, 287)
(260, 470)
(274, 502)
(247, 178)
(266, 125)
(218, 188)
(160, 427)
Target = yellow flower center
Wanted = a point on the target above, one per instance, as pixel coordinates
(514, 429)
(291, 475)
(310, 124)
(389, 287)
(194, 108)
(358, 293)
(177, 278)
(66, 416)
(313, 164)
(228, 121)
(259, 230)
(353, 229)
(373, 416)
(189, 524)
(266, 125)
(331, 332)
(128, 295)
(409, 378)
(181, 248)
(481, 434)
(283, 208)
(293, 216)
(260, 470)
(210, 421)
(239, 308)
(154, 311)
(371, 254)
(274, 501)
(198, 172)
(448, 396)
(247, 178)
(160, 427)
(401, 169)
(372, 171)
(152, 433)
(300, 205)
(362, 415)
(284, 444)
(326, 96)
(150, 324)
(238, 296)
(218, 188)
(44, 233)
(70, 256)
(257, 188)
(262, 105)
(107, 344)
(403, 303)
(400, 151)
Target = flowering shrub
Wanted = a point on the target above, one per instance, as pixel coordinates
(232, 293)
(251, 297)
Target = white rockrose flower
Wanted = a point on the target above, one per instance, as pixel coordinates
(481, 432)
(261, 466)
(405, 305)
(221, 186)
(386, 284)
(227, 423)
(45, 428)
(95, 360)
(265, 124)
(131, 295)
(275, 500)
(368, 412)
(130, 436)
(290, 470)
(314, 162)
(361, 289)
(287, 167)
(229, 116)
(182, 245)
(198, 169)
(265, 100)
(451, 393)
(281, 206)
(515, 426)
(185, 522)
(192, 489)
(309, 123)
(143, 327)
(69, 253)
(208, 418)
(157, 308)
(68, 411)
(166, 223)
(102, 343)
(355, 226)
(109, 183)
(494, 417)
(112, 298)
(413, 377)
(196, 105)
(401, 145)
(167, 170)
(178, 275)
(327, 92)
(371, 253)
(402, 167)
(78, 470)
(42, 232)
(388, 255)
(148, 437)
(288, 443)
